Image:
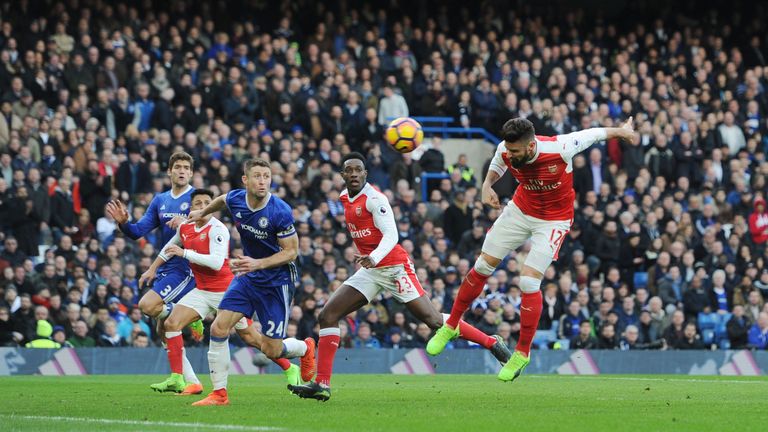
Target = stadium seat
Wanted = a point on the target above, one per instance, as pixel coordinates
(641, 280)
(543, 338)
(721, 332)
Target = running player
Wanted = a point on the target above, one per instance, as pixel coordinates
(265, 276)
(174, 278)
(386, 267)
(541, 210)
(205, 245)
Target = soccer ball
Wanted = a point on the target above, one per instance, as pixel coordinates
(404, 134)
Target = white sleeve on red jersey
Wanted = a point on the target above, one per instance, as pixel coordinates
(497, 163)
(576, 142)
(384, 220)
(218, 247)
(175, 240)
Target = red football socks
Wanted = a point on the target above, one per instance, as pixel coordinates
(470, 289)
(176, 353)
(472, 334)
(330, 338)
(530, 312)
(284, 363)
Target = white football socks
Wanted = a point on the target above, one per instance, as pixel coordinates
(218, 363)
(293, 348)
(189, 373)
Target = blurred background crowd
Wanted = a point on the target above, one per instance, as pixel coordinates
(668, 247)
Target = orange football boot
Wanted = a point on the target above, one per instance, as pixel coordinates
(192, 389)
(308, 365)
(216, 397)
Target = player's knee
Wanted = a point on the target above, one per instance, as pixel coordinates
(328, 318)
(486, 264)
(149, 307)
(218, 330)
(172, 324)
(529, 284)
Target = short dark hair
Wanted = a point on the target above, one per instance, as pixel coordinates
(181, 156)
(353, 156)
(516, 129)
(197, 192)
(250, 163)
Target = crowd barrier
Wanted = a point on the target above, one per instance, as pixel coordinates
(86, 361)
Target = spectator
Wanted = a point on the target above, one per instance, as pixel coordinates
(391, 105)
(570, 323)
(457, 218)
(584, 339)
(732, 135)
(631, 341)
(43, 340)
(607, 339)
(110, 338)
(691, 340)
(133, 176)
(11, 252)
(125, 326)
(758, 223)
(364, 337)
(674, 333)
(9, 337)
(758, 333)
(63, 209)
(738, 328)
(660, 159)
(141, 340)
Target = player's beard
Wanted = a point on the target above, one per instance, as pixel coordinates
(519, 163)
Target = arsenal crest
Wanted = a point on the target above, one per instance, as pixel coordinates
(552, 169)
(359, 211)
(202, 236)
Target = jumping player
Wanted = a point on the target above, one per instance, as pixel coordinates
(541, 210)
(386, 267)
(264, 277)
(205, 245)
(174, 278)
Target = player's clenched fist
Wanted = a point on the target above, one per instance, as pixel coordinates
(365, 261)
(195, 216)
(491, 198)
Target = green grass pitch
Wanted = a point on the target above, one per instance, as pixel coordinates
(392, 403)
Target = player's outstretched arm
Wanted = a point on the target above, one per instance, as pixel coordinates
(576, 142)
(289, 250)
(216, 205)
(624, 132)
(147, 223)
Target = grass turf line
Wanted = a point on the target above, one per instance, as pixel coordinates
(392, 403)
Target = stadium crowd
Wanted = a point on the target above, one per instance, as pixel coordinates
(667, 250)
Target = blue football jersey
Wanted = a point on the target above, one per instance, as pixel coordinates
(259, 231)
(163, 208)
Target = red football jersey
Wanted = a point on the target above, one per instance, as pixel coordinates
(545, 188)
(372, 226)
(212, 238)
